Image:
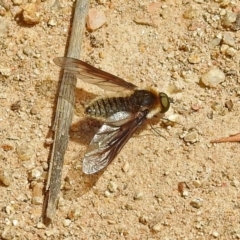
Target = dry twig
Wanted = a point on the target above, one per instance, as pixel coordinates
(231, 138)
(64, 112)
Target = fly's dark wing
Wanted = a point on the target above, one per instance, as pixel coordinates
(93, 75)
(110, 138)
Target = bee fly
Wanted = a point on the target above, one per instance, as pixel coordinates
(123, 114)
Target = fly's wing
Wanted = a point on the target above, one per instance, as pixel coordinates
(110, 138)
(93, 75)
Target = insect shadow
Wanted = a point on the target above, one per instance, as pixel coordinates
(81, 132)
(77, 183)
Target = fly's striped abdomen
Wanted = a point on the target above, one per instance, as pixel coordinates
(139, 100)
(106, 107)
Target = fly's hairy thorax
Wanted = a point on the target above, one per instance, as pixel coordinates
(139, 100)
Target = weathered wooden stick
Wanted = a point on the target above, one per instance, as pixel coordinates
(64, 113)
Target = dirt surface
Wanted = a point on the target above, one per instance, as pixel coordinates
(174, 186)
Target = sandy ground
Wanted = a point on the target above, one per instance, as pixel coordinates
(179, 186)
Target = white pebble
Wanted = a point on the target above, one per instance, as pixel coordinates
(66, 222)
(185, 193)
(10, 209)
(228, 39)
(215, 234)
(213, 77)
(157, 227)
(107, 194)
(52, 22)
(35, 174)
(4, 71)
(40, 225)
(15, 222)
(112, 186)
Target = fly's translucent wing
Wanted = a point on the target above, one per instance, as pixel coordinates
(110, 138)
(93, 75)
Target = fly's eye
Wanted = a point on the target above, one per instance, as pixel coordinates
(165, 102)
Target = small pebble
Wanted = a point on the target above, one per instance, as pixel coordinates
(229, 105)
(4, 71)
(219, 108)
(138, 196)
(215, 234)
(143, 219)
(224, 48)
(10, 209)
(231, 52)
(34, 110)
(112, 186)
(213, 77)
(35, 174)
(181, 186)
(185, 193)
(5, 178)
(125, 167)
(229, 19)
(15, 222)
(2, 13)
(129, 206)
(16, 106)
(196, 203)
(228, 39)
(196, 183)
(40, 225)
(191, 137)
(95, 19)
(195, 107)
(235, 183)
(66, 222)
(157, 227)
(51, 232)
(215, 42)
(30, 14)
(24, 152)
(194, 58)
(27, 51)
(74, 214)
(37, 200)
(190, 13)
(52, 22)
(172, 210)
